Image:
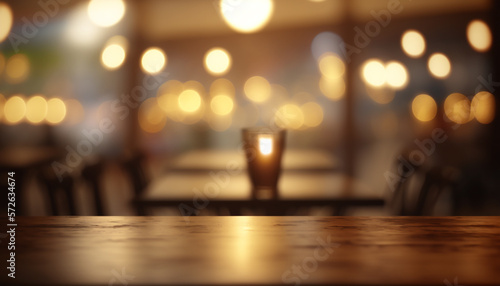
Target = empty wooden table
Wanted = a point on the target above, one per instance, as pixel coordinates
(256, 251)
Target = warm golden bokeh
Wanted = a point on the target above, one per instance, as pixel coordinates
(113, 56)
(334, 89)
(217, 61)
(189, 100)
(56, 111)
(246, 16)
(36, 109)
(257, 89)
(221, 104)
(151, 117)
(396, 75)
(313, 114)
(373, 72)
(14, 109)
(17, 68)
(289, 116)
(6, 20)
(439, 65)
(479, 35)
(424, 107)
(114, 53)
(331, 66)
(457, 108)
(413, 43)
(153, 60)
(106, 13)
(483, 107)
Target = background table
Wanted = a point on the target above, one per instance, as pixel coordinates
(257, 251)
(309, 178)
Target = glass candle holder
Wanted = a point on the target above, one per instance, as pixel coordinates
(263, 150)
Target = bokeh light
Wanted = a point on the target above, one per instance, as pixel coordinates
(153, 60)
(313, 114)
(413, 43)
(289, 116)
(56, 111)
(17, 68)
(217, 61)
(479, 35)
(373, 73)
(189, 100)
(114, 53)
(396, 75)
(439, 65)
(112, 56)
(106, 13)
(221, 104)
(6, 19)
(14, 109)
(36, 109)
(333, 89)
(483, 107)
(424, 107)
(151, 117)
(222, 86)
(457, 108)
(246, 16)
(331, 66)
(75, 112)
(257, 89)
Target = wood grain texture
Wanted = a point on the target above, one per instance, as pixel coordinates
(257, 251)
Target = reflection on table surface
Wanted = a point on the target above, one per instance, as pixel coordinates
(293, 159)
(257, 250)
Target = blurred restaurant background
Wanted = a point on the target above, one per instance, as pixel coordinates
(101, 100)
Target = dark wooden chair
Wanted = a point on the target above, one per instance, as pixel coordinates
(55, 188)
(134, 167)
(93, 175)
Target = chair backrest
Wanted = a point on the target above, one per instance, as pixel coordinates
(134, 167)
(56, 189)
(93, 175)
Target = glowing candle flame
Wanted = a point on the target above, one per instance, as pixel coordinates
(265, 145)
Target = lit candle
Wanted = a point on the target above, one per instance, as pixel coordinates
(265, 144)
(263, 149)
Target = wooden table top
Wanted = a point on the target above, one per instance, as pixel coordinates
(257, 251)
